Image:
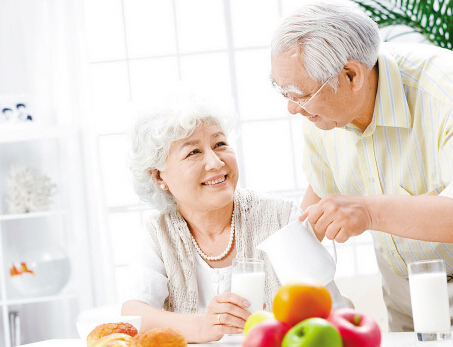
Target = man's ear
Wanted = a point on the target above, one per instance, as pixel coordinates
(355, 74)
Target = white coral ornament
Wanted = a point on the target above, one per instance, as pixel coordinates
(28, 190)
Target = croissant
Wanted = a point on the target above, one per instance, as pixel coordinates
(108, 329)
(114, 340)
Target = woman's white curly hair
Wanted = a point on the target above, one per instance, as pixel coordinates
(153, 134)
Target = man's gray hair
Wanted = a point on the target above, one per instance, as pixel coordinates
(153, 134)
(328, 34)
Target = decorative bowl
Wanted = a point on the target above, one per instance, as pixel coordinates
(40, 271)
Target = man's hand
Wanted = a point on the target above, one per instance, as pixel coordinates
(338, 217)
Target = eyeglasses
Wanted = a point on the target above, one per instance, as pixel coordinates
(302, 105)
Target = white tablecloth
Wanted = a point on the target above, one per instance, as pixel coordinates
(388, 340)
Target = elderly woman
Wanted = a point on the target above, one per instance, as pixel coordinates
(183, 164)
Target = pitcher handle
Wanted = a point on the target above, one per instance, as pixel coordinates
(334, 252)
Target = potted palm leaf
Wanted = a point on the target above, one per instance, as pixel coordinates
(431, 18)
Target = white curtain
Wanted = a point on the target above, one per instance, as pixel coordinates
(43, 57)
(40, 56)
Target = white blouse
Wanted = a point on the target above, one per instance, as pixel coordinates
(149, 279)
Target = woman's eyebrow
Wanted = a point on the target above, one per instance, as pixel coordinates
(220, 133)
(188, 143)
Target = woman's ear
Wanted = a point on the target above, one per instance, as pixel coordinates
(355, 74)
(155, 174)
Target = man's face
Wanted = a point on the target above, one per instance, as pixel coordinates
(328, 109)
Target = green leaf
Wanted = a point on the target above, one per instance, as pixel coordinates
(432, 18)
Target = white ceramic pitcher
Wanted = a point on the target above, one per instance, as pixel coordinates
(296, 254)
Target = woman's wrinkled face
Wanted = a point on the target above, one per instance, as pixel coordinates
(201, 171)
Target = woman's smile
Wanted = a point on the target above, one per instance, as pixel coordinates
(215, 181)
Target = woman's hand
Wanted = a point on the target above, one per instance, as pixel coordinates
(226, 314)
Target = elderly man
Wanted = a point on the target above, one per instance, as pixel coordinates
(378, 142)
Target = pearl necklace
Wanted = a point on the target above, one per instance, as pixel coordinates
(227, 250)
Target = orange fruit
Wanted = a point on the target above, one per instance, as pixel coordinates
(295, 302)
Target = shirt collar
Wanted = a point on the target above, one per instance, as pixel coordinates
(390, 107)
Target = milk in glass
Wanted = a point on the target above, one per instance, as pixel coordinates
(250, 286)
(429, 296)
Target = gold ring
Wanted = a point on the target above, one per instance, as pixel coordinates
(218, 318)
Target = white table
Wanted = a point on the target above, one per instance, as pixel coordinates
(388, 340)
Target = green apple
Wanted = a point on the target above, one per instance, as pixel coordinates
(255, 318)
(312, 332)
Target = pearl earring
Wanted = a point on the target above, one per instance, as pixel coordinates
(162, 186)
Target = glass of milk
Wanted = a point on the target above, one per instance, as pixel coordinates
(429, 300)
(247, 281)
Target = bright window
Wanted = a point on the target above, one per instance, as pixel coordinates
(140, 48)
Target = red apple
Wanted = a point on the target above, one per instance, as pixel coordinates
(268, 333)
(356, 329)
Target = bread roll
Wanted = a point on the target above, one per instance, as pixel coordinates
(162, 337)
(114, 340)
(110, 328)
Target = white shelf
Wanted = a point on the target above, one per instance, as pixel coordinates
(56, 144)
(17, 132)
(30, 215)
(33, 300)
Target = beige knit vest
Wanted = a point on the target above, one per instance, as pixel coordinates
(255, 216)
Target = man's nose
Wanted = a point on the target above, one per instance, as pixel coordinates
(293, 108)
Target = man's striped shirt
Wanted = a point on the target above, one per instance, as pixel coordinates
(407, 149)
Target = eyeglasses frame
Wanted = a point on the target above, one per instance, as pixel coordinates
(303, 106)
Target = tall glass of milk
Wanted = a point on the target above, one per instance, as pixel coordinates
(247, 281)
(429, 300)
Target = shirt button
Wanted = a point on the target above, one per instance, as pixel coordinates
(363, 139)
(371, 179)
